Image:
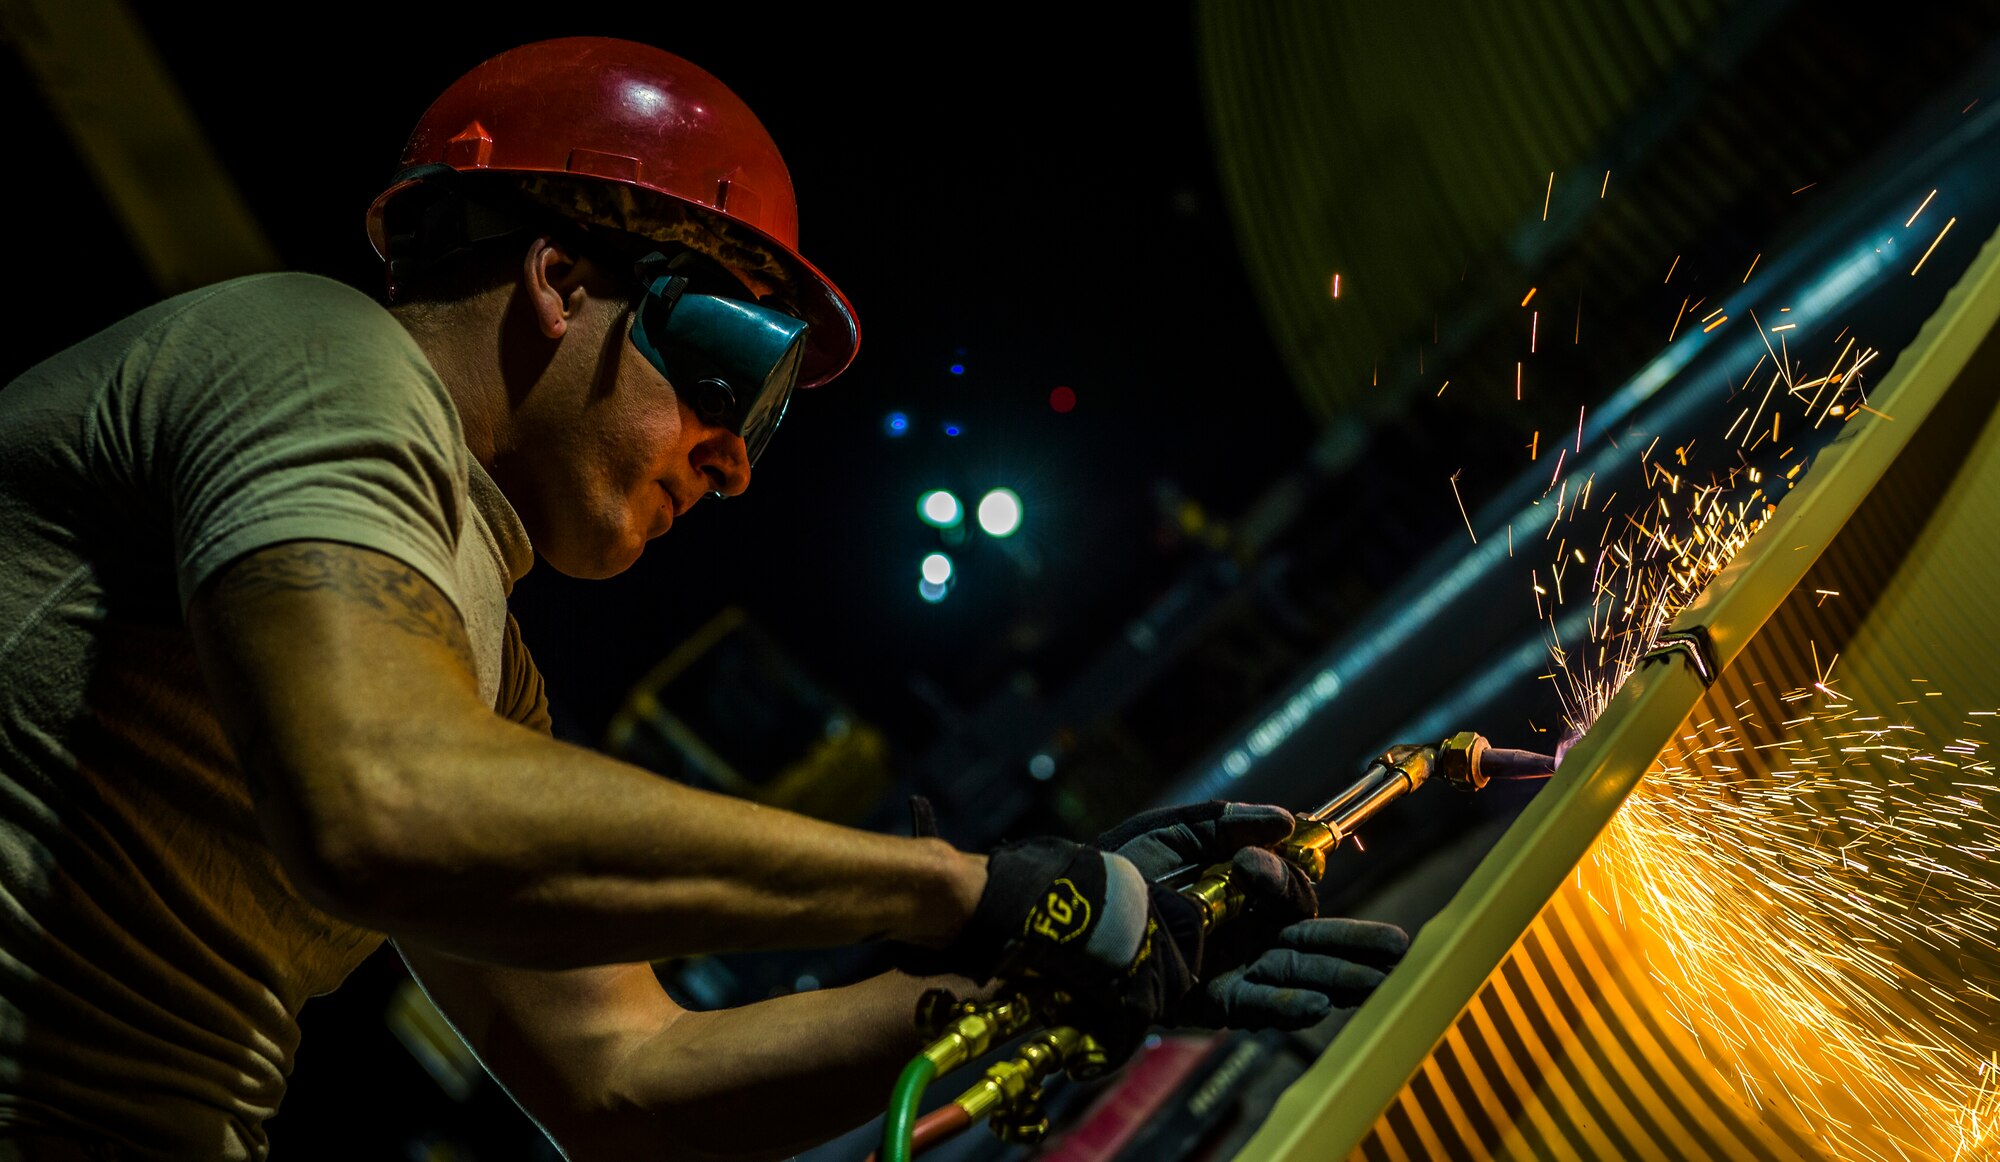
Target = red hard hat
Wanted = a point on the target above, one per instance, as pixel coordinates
(628, 136)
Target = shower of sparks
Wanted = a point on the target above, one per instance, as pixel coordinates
(1815, 897)
(1529, 297)
(1548, 194)
(1753, 266)
(1336, 285)
(1811, 881)
(1607, 180)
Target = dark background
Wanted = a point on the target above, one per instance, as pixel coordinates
(1034, 196)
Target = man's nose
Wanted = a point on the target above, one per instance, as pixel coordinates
(723, 461)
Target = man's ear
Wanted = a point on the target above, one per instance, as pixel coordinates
(552, 277)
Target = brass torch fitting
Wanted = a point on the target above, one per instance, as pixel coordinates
(1458, 760)
(1310, 840)
(1010, 1085)
(962, 1030)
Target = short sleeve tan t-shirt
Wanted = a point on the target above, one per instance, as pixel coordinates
(153, 956)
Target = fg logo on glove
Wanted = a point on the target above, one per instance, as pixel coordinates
(1062, 916)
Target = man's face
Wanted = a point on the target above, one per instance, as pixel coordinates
(606, 454)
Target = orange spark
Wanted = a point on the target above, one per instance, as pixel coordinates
(1920, 209)
(1940, 238)
(1461, 506)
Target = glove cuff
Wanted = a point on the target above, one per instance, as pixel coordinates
(1056, 908)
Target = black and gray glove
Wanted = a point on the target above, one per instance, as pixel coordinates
(1315, 967)
(1274, 966)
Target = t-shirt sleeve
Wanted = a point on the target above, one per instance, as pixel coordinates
(285, 408)
(523, 698)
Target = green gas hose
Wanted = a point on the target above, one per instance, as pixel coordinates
(899, 1124)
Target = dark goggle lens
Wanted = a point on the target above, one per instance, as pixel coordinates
(736, 361)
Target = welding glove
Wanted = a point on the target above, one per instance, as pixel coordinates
(1081, 920)
(1078, 918)
(1273, 966)
(1315, 967)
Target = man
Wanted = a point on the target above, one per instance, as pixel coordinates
(262, 705)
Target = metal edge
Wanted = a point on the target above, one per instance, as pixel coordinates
(1749, 589)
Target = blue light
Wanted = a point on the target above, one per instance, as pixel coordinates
(930, 591)
(952, 429)
(958, 369)
(896, 424)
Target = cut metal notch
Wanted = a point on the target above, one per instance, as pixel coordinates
(1692, 642)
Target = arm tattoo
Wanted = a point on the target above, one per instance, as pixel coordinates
(407, 599)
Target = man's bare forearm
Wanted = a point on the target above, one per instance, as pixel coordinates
(523, 850)
(769, 1079)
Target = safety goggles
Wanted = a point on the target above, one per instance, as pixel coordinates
(735, 362)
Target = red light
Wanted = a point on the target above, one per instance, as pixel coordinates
(1062, 399)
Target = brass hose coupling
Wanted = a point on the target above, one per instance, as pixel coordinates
(1010, 1092)
(962, 1030)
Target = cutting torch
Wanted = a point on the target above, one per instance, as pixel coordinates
(1009, 1094)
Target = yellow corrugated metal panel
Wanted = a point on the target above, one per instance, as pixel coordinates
(1757, 920)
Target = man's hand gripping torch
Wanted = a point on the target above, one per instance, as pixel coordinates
(1009, 1094)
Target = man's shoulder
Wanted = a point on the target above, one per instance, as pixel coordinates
(305, 332)
(309, 304)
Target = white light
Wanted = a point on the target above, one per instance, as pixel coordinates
(1000, 512)
(931, 593)
(939, 508)
(937, 568)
